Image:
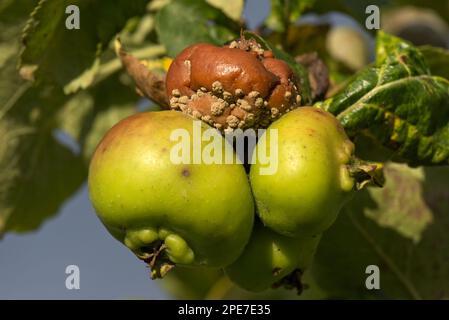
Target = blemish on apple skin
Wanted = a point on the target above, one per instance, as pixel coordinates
(185, 172)
(311, 132)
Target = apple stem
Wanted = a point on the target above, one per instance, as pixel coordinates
(366, 173)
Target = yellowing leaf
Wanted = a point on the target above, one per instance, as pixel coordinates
(400, 203)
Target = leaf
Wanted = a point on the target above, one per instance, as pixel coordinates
(185, 22)
(37, 173)
(437, 59)
(13, 15)
(89, 114)
(299, 70)
(410, 216)
(84, 80)
(103, 121)
(407, 269)
(15, 12)
(232, 8)
(398, 103)
(62, 55)
(285, 12)
(75, 113)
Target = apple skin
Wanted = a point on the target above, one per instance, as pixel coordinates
(269, 257)
(312, 180)
(202, 213)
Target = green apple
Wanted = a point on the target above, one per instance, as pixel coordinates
(269, 257)
(169, 213)
(312, 181)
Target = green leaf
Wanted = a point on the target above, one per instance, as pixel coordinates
(60, 55)
(285, 12)
(105, 119)
(13, 15)
(437, 59)
(232, 8)
(407, 269)
(299, 70)
(398, 103)
(89, 114)
(37, 173)
(73, 116)
(185, 22)
(15, 12)
(85, 79)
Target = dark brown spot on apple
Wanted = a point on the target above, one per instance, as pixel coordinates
(185, 172)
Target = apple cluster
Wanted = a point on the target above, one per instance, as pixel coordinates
(262, 229)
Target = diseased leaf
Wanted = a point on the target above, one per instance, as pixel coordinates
(398, 103)
(318, 74)
(407, 269)
(396, 209)
(62, 55)
(185, 22)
